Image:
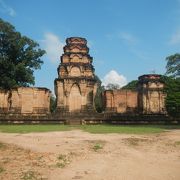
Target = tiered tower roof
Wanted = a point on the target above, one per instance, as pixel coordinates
(76, 61)
(76, 45)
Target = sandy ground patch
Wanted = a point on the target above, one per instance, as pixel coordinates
(81, 155)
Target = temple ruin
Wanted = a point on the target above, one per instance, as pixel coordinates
(76, 86)
(149, 98)
(75, 90)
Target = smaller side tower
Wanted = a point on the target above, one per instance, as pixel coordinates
(151, 98)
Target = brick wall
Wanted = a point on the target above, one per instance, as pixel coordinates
(25, 100)
(121, 101)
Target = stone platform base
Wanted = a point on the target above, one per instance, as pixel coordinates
(81, 119)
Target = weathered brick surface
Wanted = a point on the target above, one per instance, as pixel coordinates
(25, 100)
(121, 101)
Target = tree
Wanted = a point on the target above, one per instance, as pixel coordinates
(19, 57)
(98, 100)
(172, 85)
(173, 65)
(131, 85)
(52, 104)
(172, 89)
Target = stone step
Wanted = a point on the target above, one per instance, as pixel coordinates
(73, 121)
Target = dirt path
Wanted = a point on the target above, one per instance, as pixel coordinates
(81, 155)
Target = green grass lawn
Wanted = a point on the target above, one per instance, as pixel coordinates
(33, 128)
(125, 129)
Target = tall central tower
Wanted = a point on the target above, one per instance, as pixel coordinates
(76, 85)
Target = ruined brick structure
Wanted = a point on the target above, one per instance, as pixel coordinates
(147, 99)
(151, 98)
(76, 86)
(25, 100)
(75, 90)
(121, 101)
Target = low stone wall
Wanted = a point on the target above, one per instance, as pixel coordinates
(30, 119)
(140, 119)
(73, 119)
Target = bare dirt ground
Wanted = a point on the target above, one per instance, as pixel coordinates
(81, 155)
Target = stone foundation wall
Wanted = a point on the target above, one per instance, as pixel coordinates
(25, 100)
(104, 118)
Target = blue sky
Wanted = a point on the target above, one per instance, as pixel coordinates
(127, 38)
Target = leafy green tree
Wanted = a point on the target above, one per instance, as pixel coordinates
(173, 65)
(52, 104)
(98, 100)
(172, 88)
(19, 57)
(131, 85)
(172, 85)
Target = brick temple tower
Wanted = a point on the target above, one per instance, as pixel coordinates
(151, 98)
(76, 86)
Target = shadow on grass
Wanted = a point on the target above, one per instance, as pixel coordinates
(171, 127)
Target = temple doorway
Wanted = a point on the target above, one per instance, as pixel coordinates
(75, 99)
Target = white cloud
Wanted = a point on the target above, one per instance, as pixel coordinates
(113, 77)
(128, 38)
(175, 38)
(4, 8)
(53, 46)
